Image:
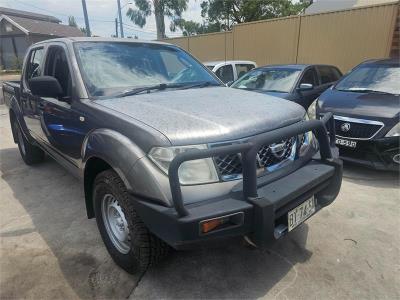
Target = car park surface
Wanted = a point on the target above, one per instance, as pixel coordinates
(50, 249)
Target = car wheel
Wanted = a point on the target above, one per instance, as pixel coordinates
(131, 245)
(31, 154)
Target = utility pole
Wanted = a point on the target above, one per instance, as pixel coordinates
(120, 18)
(116, 27)
(86, 18)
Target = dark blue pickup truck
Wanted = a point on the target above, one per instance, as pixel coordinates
(168, 155)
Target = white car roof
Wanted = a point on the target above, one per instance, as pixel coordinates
(224, 62)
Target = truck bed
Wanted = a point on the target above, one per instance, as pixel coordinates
(10, 89)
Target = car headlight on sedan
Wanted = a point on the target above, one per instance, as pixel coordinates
(395, 131)
(312, 110)
(190, 172)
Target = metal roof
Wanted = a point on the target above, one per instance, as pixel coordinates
(25, 14)
(33, 26)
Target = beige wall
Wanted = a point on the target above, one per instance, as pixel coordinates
(343, 38)
(216, 46)
(267, 42)
(348, 37)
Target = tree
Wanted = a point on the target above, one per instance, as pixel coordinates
(160, 8)
(72, 22)
(231, 12)
(192, 28)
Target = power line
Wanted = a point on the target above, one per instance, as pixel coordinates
(154, 32)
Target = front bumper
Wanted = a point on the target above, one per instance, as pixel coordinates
(261, 202)
(378, 154)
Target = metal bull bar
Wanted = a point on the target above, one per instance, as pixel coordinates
(249, 150)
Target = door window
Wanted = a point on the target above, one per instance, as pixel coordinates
(225, 73)
(57, 67)
(242, 69)
(328, 74)
(310, 77)
(34, 66)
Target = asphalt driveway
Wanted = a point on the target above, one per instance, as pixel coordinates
(49, 249)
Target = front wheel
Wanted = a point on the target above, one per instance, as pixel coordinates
(126, 237)
(31, 154)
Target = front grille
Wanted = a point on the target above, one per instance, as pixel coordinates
(268, 156)
(357, 130)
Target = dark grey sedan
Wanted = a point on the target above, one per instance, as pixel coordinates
(299, 83)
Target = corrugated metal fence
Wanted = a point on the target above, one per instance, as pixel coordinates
(342, 38)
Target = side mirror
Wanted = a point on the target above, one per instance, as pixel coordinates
(305, 87)
(45, 86)
(229, 83)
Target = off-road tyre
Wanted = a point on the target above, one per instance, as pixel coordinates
(145, 248)
(31, 154)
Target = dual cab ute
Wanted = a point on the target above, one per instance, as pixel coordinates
(168, 155)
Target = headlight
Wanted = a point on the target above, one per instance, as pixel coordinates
(311, 112)
(395, 131)
(190, 172)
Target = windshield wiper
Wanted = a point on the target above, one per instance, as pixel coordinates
(366, 91)
(159, 87)
(274, 91)
(199, 84)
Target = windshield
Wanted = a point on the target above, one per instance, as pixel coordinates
(379, 78)
(108, 68)
(276, 80)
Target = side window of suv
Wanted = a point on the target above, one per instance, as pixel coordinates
(310, 76)
(34, 65)
(328, 74)
(225, 73)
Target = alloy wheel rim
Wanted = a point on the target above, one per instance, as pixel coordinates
(115, 223)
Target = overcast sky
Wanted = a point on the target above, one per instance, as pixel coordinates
(101, 15)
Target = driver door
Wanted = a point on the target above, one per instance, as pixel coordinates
(63, 127)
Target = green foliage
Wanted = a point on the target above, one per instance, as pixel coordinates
(72, 22)
(220, 15)
(192, 28)
(83, 29)
(240, 11)
(231, 12)
(161, 8)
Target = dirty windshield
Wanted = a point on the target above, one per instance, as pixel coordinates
(109, 68)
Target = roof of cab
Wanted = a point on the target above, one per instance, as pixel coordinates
(217, 62)
(101, 39)
(294, 66)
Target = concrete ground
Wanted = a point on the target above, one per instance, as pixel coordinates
(49, 249)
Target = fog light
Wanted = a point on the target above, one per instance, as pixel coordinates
(396, 158)
(220, 223)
